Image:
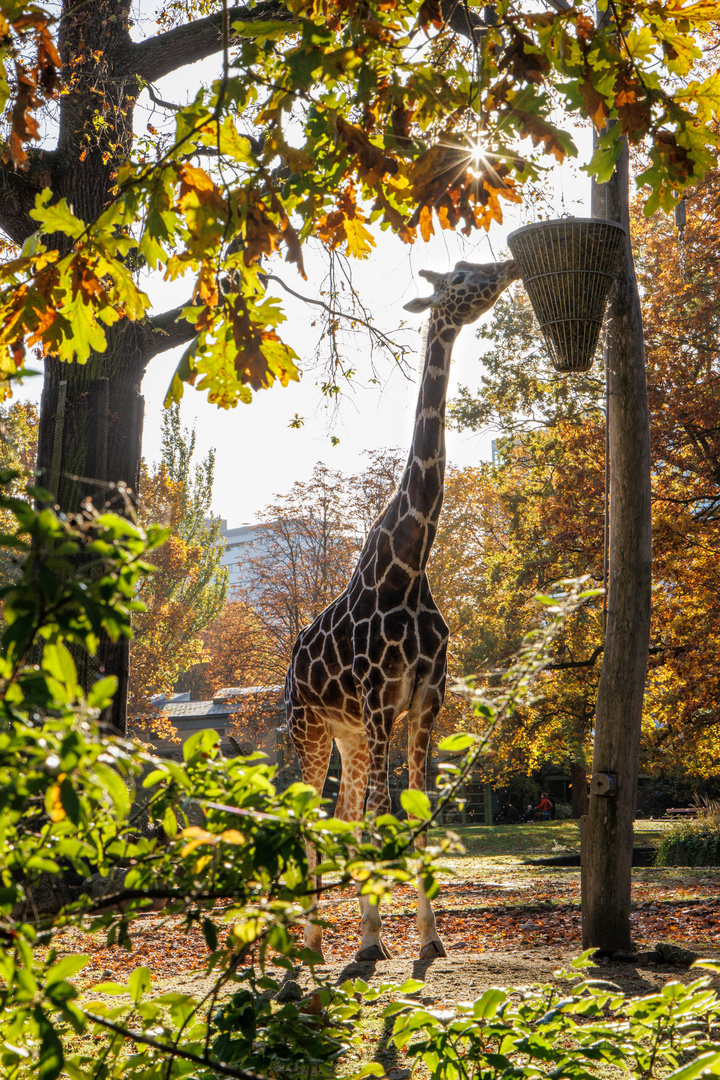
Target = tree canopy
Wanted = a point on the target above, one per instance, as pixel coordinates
(323, 121)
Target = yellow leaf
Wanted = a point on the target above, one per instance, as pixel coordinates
(360, 241)
(53, 803)
(232, 836)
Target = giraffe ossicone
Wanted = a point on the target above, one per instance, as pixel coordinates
(378, 652)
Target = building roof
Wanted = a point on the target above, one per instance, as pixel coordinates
(220, 706)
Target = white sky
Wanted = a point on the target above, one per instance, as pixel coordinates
(258, 454)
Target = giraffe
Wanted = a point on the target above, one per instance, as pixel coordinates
(378, 651)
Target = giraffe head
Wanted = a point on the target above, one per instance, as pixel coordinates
(465, 293)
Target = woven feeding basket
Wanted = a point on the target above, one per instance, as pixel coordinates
(567, 267)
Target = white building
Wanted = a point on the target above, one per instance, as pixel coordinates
(241, 543)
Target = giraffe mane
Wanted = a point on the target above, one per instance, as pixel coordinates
(423, 346)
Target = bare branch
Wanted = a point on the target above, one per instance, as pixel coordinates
(159, 101)
(335, 313)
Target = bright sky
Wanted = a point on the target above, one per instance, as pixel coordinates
(258, 454)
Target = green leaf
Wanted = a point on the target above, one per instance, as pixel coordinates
(270, 28)
(58, 662)
(139, 983)
(210, 934)
(487, 1006)
(455, 744)
(184, 373)
(709, 965)
(416, 804)
(57, 218)
(66, 968)
(200, 742)
(101, 692)
(110, 988)
(70, 801)
(170, 824)
(50, 1058)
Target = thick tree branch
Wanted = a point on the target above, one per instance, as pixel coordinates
(155, 57)
(18, 191)
(462, 19)
(166, 331)
(577, 663)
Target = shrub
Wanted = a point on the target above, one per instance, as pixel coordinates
(586, 1031)
(66, 813)
(693, 842)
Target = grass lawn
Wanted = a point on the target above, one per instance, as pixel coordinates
(538, 839)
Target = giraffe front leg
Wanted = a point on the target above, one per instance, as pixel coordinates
(351, 797)
(312, 937)
(313, 745)
(431, 945)
(419, 729)
(372, 946)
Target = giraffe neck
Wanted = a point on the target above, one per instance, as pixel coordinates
(411, 519)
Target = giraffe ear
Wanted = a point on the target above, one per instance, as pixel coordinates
(419, 304)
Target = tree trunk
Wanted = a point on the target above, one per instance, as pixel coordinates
(90, 447)
(578, 781)
(607, 839)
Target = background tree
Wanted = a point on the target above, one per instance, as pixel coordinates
(308, 552)
(312, 537)
(235, 647)
(189, 586)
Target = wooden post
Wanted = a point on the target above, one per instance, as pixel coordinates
(607, 833)
(487, 798)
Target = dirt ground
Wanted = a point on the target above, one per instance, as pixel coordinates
(464, 976)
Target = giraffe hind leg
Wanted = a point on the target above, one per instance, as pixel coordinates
(420, 725)
(353, 785)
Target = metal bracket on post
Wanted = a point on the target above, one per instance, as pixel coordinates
(603, 784)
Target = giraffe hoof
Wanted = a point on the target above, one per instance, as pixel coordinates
(431, 950)
(373, 952)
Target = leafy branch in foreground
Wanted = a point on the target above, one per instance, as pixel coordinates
(69, 817)
(241, 877)
(581, 1030)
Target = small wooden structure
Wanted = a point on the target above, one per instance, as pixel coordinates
(568, 266)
